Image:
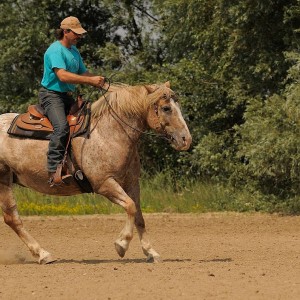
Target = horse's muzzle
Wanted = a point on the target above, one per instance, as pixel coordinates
(180, 142)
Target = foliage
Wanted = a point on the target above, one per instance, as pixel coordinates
(21, 58)
(272, 162)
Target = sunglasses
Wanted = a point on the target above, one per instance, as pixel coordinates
(77, 34)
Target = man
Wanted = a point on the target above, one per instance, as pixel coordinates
(63, 68)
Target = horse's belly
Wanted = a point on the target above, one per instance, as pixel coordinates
(40, 184)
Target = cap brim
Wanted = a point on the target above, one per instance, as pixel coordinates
(78, 30)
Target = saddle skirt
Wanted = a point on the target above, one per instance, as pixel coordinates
(34, 124)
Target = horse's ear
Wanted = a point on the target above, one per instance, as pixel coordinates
(168, 84)
(151, 88)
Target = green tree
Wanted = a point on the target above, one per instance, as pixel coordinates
(224, 54)
(269, 138)
(23, 39)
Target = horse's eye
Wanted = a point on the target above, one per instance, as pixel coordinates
(166, 108)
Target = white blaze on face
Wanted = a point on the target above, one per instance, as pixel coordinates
(175, 106)
(184, 132)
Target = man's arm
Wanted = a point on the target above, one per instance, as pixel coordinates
(85, 78)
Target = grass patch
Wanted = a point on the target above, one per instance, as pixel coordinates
(33, 203)
(160, 193)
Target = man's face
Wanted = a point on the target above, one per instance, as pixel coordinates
(72, 37)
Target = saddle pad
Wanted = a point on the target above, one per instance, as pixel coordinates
(28, 126)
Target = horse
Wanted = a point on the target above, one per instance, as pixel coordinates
(108, 158)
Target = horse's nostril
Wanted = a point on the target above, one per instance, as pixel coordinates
(184, 139)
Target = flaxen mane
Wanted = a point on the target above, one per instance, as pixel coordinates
(130, 100)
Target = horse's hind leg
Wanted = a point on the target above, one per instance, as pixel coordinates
(12, 218)
(152, 255)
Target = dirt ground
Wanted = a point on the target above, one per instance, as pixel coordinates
(206, 256)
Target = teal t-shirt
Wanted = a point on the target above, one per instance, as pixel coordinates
(58, 56)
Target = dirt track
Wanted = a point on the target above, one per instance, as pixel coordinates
(209, 256)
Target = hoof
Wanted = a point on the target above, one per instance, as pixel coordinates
(47, 259)
(120, 250)
(153, 259)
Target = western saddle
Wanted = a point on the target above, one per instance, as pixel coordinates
(34, 124)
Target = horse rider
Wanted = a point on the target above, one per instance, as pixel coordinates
(63, 68)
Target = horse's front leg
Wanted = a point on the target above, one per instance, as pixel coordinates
(12, 219)
(152, 255)
(115, 193)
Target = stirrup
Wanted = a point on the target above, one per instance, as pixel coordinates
(66, 179)
(56, 181)
(56, 178)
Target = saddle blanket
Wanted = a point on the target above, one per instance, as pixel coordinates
(35, 125)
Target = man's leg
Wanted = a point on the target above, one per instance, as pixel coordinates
(55, 109)
(57, 145)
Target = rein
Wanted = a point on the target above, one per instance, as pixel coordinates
(104, 91)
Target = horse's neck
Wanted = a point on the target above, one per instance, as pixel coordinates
(118, 126)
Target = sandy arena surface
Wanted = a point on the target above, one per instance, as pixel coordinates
(206, 256)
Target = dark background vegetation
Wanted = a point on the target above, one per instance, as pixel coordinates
(235, 65)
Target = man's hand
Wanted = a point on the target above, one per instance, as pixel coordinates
(97, 81)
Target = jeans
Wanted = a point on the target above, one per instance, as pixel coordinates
(56, 106)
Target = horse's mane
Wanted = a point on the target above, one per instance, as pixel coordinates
(127, 99)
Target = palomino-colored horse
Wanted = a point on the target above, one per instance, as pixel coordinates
(109, 158)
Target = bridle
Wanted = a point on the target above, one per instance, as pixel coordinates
(164, 135)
